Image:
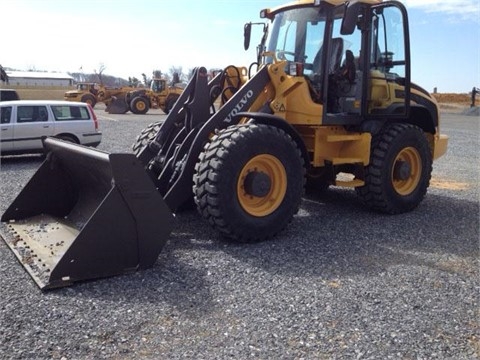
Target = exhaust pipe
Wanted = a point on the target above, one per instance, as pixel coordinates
(86, 214)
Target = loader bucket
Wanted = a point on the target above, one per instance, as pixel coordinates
(86, 214)
(117, 105)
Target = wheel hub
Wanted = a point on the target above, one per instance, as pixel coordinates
(262, 185)
(407, 171)
(402, 170)
(257, 183)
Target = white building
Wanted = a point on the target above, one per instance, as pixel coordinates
(37, 78)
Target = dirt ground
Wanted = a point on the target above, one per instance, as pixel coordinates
(458, 103)
(449, 98)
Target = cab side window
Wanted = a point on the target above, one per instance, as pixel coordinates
(26, 114)
(5, 114)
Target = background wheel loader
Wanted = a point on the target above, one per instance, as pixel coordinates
(331, 104)
(139, 101)
(85, 92)
(92, 93)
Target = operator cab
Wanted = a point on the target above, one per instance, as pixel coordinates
(158, 85)
(90, 87)
(347, 53)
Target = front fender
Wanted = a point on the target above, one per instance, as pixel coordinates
(273, 120)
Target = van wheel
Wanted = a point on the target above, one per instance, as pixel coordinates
(399, 172)
(68, 138)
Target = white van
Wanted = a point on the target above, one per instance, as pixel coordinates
(23, 123)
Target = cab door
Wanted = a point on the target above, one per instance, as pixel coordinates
(388, 59)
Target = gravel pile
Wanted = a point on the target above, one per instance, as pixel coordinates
(339, 283)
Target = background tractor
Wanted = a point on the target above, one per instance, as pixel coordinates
(330, 104)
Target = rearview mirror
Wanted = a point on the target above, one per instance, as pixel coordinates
(247, 31)
(350, 18)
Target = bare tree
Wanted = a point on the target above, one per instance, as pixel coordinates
(99, 72)
(181, 76)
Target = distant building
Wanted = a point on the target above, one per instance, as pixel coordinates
(37, 78)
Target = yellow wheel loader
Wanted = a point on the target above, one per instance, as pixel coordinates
(85, 92)
(139, 101)
(330, 103)
(92, 93)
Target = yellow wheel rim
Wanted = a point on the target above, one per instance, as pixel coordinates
(407, 171)
(140, 105)
(265, 205)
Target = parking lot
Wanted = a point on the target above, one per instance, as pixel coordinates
(340, 282)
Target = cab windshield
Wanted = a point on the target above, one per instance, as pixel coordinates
(297, 36)
(158, 85)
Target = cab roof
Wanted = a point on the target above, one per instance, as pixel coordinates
(270, 13)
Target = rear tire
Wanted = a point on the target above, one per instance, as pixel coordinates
(399, 172)
(146, 136)
(169, 104)
(249, 181)
(139, 105)
(317, 181)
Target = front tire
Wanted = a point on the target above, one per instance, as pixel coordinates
(399, 172)
(249, 181)
(139, 105)
(146, 136)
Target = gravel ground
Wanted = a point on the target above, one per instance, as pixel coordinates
(340, 283)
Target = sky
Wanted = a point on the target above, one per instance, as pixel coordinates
(130, 37)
